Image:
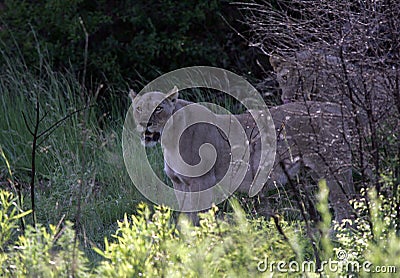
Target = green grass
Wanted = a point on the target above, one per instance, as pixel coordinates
(80, 153)
(150, 244)
(107, 191)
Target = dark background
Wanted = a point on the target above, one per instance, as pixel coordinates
(129, 42)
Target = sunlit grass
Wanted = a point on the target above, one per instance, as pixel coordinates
(107, 189)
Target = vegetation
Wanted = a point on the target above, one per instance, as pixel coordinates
(150, 244)
(129, 41)
(70, 136)
(363, 37)
(67, 205)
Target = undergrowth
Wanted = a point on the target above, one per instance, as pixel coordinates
(150, 243)
(107, 191)
(118, 235)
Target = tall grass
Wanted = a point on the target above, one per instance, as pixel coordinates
(146, 243)
(108, 192)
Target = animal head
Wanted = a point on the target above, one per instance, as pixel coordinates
(292, 79)
(309, 75)
(150, 112)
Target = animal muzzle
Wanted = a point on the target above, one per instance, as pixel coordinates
(149, 136)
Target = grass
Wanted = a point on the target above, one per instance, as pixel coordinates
(151, 244)
(107, 190)
(148, 242)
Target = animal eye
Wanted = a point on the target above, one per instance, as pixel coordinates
(139, 109)
(284, 77)
(159, 109)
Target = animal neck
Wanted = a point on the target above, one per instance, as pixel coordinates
(169, 145)
(181, 103)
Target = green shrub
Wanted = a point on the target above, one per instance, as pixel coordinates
(38, 252)
(151, 244)
(10, 213)
(128, 40)
(107, 190)
(51, 252)
(373, 237)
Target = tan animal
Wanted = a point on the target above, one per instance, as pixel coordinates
(319, 76)
(307, 76)
(310, 136)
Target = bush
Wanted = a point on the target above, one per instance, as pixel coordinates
(37, 252)
(133, 41)
(374, 237)
(150, 244)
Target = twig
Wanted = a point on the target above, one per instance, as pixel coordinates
(54, 126)
(304, 215)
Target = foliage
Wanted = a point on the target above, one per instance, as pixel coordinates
(374, 236)
(107, 192)
(9, 215)
(37, 252)
(128, 40)
(51, 252)
(151, 244)
(234, 247)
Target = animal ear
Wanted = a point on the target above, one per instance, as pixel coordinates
(173, 94)
(132, 94)
(275, 61)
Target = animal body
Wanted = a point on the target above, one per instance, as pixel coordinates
(309, 135)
